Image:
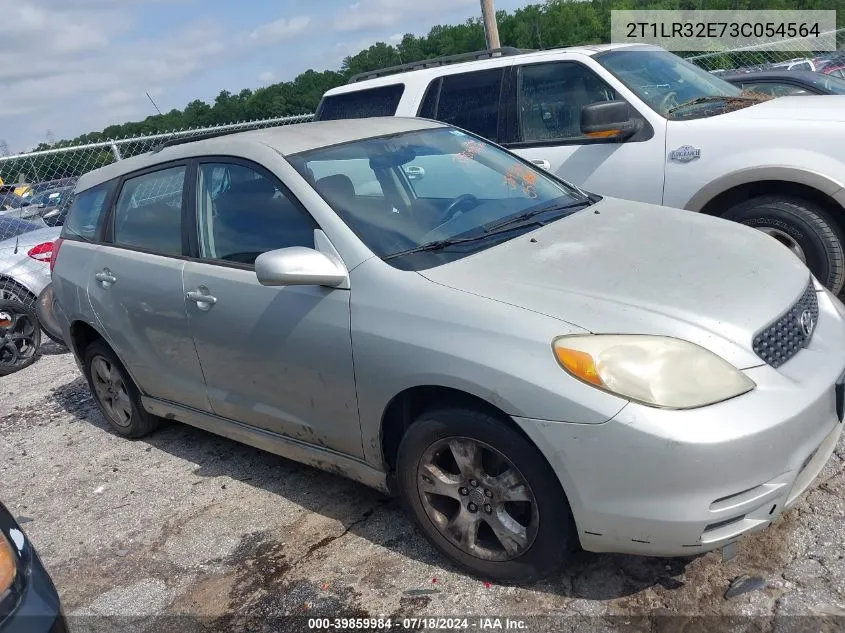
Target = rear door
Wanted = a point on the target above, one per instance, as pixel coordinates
(135, 286)
(276, 358)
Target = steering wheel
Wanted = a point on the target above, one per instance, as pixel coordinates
(456, 204)
(669, 101)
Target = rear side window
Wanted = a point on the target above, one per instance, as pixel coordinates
(360, 104)
(149, 212)
(86, 212)
(467, 100)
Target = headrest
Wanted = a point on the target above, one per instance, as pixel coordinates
(337, 187)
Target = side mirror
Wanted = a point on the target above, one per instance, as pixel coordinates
(608, 119)
(299, 266)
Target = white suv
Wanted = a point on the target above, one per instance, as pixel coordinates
(640, 123)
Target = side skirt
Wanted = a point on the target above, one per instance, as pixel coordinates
(289, 448)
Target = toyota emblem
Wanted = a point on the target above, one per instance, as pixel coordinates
(807, 323)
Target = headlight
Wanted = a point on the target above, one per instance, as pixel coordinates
(8, 565)
(654, 370)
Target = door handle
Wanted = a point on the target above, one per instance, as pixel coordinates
(542, 164)
(203, 300)
(105, 277)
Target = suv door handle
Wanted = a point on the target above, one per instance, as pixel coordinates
(203, 300)
(105, 277)
(542, 164)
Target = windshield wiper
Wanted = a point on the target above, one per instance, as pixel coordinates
(505, 226)
(522, 217)
(709, 99)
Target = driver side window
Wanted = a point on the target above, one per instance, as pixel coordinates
(551, 97)
(243, 213)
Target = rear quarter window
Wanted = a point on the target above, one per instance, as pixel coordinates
(381, 101)
(87, 212)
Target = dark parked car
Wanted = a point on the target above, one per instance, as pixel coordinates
(10, 200)
(787, 83)
(29, 602)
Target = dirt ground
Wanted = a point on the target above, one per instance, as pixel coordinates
(184, 523)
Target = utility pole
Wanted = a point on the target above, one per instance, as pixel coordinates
(491, 29)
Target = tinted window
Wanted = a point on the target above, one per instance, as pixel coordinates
(86, 212)
(381, 101)
(428, 109)
(551, 97)
(12, 227)
(149, 212)
(471, 101)
(10, 201)
(243, 213)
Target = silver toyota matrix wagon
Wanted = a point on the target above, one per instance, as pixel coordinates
(529, 366)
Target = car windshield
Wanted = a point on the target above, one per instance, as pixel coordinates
(440, 193)
(12, 227)
(673, 87)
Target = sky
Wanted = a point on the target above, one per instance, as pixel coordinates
(74, 66)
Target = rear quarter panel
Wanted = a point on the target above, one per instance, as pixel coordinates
(73, 269)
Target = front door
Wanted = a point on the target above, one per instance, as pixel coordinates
(275, 358)
(547, 131)
(135, 288)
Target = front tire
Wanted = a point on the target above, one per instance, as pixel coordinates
(484, 495)
(115, 393)
(804, 228)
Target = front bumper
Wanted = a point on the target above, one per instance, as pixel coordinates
(677, 483)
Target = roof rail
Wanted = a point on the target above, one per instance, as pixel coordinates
(504, 51)
(196, 137)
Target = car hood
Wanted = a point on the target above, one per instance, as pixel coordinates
(798, 108)
(629, 267)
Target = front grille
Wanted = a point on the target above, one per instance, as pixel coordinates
(785, 337)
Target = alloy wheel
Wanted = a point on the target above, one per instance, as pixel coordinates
(17, 338)
(785, 239)
(111, 391)
(477, 499)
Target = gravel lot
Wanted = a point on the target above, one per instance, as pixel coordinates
(184, 522)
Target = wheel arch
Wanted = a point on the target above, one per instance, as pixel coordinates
(411, 402)
(82, 334)
(721, 194)
(4, 279)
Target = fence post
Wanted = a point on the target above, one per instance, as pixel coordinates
(115, 150)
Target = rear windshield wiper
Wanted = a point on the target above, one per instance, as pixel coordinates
(505, 226)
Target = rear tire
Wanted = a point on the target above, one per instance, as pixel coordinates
(115, 393)
(499, 510)
(804, 227)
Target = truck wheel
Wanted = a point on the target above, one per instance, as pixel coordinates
(484, 496)
(804, 228)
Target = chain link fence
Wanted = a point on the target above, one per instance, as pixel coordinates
(34, 198)
(792, 54)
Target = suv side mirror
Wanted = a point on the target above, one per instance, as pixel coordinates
(608, 119)
(299, 266)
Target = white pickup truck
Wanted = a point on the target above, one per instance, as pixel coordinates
(640, 123)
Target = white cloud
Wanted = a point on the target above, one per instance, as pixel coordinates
(395, 38)
(280, 30)
(374, 14)
(266, 77)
